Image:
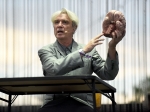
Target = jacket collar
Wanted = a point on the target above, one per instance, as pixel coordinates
(57, 47)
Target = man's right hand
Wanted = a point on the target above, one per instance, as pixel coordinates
(93, 42)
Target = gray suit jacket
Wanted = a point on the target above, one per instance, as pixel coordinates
(56, 63)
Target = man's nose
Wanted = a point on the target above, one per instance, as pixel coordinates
(60, 24)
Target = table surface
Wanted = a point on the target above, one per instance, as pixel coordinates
(59, 84)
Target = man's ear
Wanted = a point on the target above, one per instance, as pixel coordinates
(74, 29)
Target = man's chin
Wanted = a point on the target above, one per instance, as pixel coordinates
(60, 37)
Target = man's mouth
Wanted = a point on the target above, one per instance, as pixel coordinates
(60, 32)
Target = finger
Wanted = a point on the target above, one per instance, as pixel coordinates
(119, 26)
(118, 34)
(100, 35)
(113, 35)
(110, 29)
(100, 42)
(99, 39)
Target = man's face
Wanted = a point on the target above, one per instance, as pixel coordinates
(63, 28)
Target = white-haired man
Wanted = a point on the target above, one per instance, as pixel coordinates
(66, 57)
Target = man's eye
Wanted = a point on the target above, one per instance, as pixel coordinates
(65, 22)
(56, 22)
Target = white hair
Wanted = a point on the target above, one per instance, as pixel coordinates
(71, 15)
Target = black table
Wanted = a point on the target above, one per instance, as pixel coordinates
(55, 85)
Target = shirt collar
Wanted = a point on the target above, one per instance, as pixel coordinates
(62, 47)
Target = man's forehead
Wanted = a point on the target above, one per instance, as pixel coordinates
(63, 16)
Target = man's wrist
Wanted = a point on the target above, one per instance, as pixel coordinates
(82, 52)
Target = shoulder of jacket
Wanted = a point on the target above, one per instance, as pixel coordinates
(47, 47)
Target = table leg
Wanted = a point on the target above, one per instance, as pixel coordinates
(93, 91)
(9, 103)
(113, 103)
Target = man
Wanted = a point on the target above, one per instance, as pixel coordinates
(66, 57)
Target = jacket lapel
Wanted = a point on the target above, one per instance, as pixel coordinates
(75, 47)
(57, 48)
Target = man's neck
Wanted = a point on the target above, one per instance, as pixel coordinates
(65, 43)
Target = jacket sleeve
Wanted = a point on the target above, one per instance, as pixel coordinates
(53, 66)
(106, 70)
